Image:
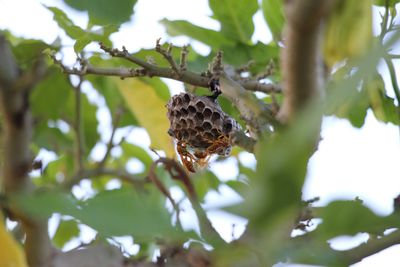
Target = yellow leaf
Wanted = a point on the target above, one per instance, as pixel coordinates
(150, 111)
(12, 254)
(348, 30)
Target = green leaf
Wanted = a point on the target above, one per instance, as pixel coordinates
(27, 51)
(103, 12)
(44, 203)
(281, 167)
(273, 14)
(67, 229)
(100, 35)
(351, 217)
(354, 106)
(59, 168)
(383, 106)
(347, 94)
(112, 213)
(121, 212)
(108, 88)
(236, 18)
(209, 37)
(240, 187)
(162, 89)
(134, 151)
(89, 121)
(149, 108)
(260, 54)
(66, 23)
(204, 182)
(391, 3)
(52, 138)
(82, 37)
(48, 98)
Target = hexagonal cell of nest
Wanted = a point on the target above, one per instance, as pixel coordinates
(198, 120)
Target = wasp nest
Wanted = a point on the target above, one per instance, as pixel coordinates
(198, 121)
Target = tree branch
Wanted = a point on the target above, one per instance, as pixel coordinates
(372, 247)
(301, 57)
(257, 115)
(17, 158)
(167, 55)
(151, 70)
(178, 173)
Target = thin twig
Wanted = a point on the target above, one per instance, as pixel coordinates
(80, 149)
(95, 173)
(167, 55)
(178, 173)
(110, 144)
(183, 59)
(156, 181)
(216, 68)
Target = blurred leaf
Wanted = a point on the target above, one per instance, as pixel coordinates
(349, 30)
(73, 31)
(236, 18)
(134, 151)
(127, 213)
(354, 106)
(27, 51)
(260, 54)
(281, 167)
(67, 229)
(52, 138)
(351, 217)
(56, 169)
(346, 92)
(209, 37)
(273, 14)
(204, 182)
(240, 187)
(112, 213)
(89, 121)
(48, 98)
(383, 106)
(100, 35)
(103, 12)
(160, 88)
(82, 37)
(44, 203)
(12, 253)
(108, 88)
(238, 254)
(391, 3)
(150, 111)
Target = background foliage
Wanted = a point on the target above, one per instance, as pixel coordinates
(66, 123)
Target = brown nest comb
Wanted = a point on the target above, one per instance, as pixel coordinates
(200, 129)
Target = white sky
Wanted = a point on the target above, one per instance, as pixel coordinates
(349, 163)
